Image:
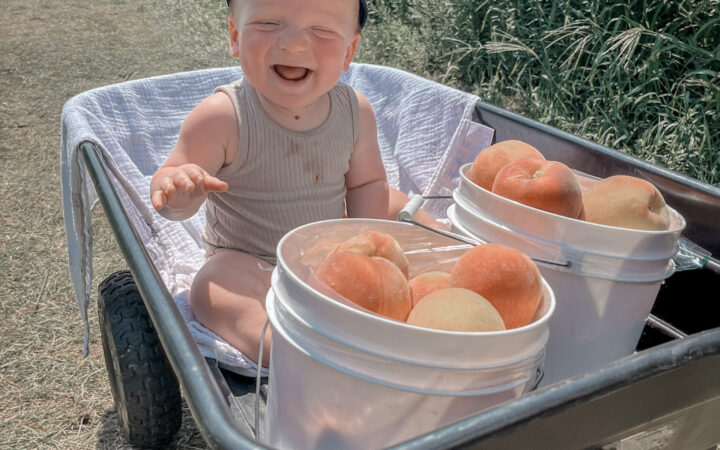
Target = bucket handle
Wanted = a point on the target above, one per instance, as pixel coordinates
(258, 377)
(407, 213)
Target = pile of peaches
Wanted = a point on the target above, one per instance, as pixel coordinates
(491, 287)
(519, 172)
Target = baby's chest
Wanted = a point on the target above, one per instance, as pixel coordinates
(299, 163)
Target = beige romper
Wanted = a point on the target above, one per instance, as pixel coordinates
(280, 179)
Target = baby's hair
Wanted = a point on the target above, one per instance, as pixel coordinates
(362, 14)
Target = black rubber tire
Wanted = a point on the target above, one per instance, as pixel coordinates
(144, 387)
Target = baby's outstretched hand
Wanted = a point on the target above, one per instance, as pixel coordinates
(179, 187)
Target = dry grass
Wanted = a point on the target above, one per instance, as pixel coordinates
(50, 51)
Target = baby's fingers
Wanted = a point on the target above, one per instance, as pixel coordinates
(195, 174)
(215, 184)
(159, 200)
(167, 186)
(183, 181)
(161, 197)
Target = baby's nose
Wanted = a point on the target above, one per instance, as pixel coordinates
(293, 39)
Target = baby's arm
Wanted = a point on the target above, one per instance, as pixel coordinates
(367, 188)
(208, 140)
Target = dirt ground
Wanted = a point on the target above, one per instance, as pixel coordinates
(51, 395)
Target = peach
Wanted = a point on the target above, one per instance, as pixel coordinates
(456, 309)
(547, 185)
(371, 282)
(376, 243)
(489, 161)
(505, 276)
(427, 282)
(626, 202)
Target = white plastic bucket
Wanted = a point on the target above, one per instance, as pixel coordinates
(342, 377)
(606, 292)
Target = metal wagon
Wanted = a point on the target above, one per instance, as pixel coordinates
(665, 395)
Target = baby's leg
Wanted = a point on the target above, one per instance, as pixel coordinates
(228, 297)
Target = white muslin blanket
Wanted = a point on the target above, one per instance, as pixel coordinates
(425, 131)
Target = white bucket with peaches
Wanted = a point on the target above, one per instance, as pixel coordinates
(607, 244)
(383, 331)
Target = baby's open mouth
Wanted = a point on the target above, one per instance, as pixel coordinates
(291, 73)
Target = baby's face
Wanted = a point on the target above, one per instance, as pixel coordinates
(293, 51)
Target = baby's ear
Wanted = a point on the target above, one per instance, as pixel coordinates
(350, 52)
(233, 37)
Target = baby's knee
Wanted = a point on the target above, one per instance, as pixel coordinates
(201, 286)
(228, 276)
(200, 277)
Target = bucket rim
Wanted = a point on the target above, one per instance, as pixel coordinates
(465, 206)
(670, 267)
(681, 225)
(540, 321)
(468, 206)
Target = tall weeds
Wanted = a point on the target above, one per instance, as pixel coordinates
(641, 77)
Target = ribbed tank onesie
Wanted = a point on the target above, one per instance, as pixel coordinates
(280, 178)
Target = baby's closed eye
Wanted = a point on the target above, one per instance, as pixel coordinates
(266, 24)
(323, 31)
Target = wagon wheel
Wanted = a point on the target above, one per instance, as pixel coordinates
(144, 387)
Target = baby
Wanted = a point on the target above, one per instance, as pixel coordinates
(286, 145)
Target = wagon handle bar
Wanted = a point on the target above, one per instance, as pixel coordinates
(407, 213)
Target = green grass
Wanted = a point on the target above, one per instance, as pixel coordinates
(641, 77)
